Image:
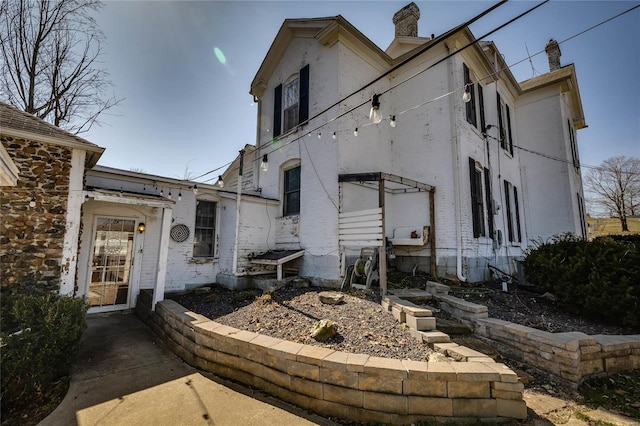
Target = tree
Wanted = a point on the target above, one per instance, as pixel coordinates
(50, 61)
(616, 186)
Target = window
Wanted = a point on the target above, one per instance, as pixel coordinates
(204, 235)
(504, 123)
(574, 147)
(483, 123)
(471, 105)
(489, 200)
(291, 103)
(581, 212)
(291, 192)
(477, 207)
(512, 212)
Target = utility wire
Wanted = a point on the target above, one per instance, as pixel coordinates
(276, 139)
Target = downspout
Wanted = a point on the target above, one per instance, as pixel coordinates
(238, 200)
(456, 172)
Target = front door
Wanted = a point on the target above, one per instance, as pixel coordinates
(111, 265)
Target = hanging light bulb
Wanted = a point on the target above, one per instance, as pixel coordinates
(264, 165)
(169, 194)
(180, 195)
(195, 189)
(161, 192)
(393, 121)
(374, 113)
(355, 132)
(32, 202)
(334, 136)
(466, 97)
(319, 135)
(220, 182)
(309, 134)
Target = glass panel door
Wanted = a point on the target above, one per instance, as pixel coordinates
(111, 263)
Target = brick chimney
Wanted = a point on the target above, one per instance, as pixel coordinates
(553, 53)
(406, 21)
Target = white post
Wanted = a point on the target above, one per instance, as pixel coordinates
(238, 200)
(69, 260)
(163, 253)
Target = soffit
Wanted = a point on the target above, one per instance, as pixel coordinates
(566, 79)
(22, 125)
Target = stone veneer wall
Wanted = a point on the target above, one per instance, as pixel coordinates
(568, 357)
(31, 238)
(351, 386)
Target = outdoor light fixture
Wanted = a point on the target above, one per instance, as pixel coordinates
(374, 114)
(319, 135)
(195, 189)
(180, 195)
(264, 165)
(141, 227)
(220, 182)
(169, 194)
(355, 132)
(32, 202)
(393, 121)
(334, 135)
(466, 97)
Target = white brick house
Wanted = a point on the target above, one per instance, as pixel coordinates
(494, 192)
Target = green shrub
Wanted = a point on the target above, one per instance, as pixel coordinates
(39, 338)
(598, 279)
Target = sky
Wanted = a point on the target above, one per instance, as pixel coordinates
(184, 69)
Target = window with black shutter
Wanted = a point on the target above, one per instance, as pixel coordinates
(489, 200)
(507, 202)
(291, 103)
(477, 208)
(483, 123)
(471, 105)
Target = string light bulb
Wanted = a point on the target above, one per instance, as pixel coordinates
(355, 132)
(180, 195)
(374, 113)
(466, 97)
(393, 121)
(220, 182)
(195, 189)
(32, 202)
(264, 165)
(334, 136)
(319, 135)
(169, 194)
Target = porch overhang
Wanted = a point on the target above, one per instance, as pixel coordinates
(124, 197)
(401, 185)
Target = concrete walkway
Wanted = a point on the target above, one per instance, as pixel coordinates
(125, 375)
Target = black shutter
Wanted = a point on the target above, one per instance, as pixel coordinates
(515, 202)
(277, 111)
(500, 124)
(509, 129)
(507, 201)
(483, 124)
(475, 214)
(489, 198)
(303, 114)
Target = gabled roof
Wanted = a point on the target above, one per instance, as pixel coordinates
(327, 31)
(22, 125)
(566, 78)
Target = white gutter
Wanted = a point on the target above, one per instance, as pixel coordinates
(456, 172)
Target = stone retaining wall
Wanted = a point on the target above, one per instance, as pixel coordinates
(569, 357)
(332, 383)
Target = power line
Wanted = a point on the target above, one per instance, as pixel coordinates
(308, 132)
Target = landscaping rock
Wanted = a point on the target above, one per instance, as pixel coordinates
(331, 297)
(324, 329)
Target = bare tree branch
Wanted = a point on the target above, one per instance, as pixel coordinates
(50, 61)
(615, 185)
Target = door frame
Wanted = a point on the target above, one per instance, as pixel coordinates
(134, 273)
